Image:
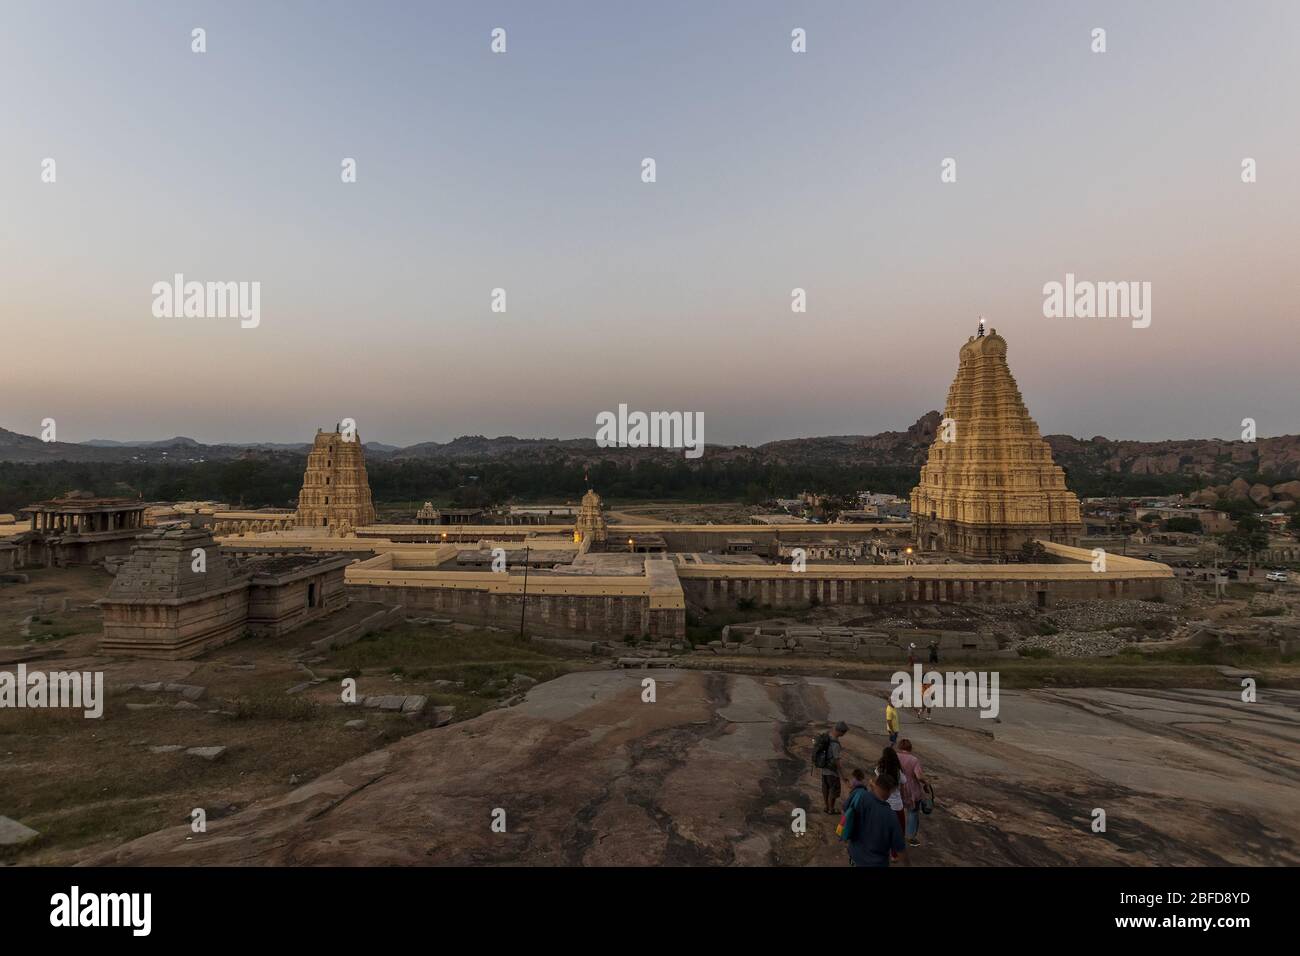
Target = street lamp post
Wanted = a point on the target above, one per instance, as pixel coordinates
(523, 604)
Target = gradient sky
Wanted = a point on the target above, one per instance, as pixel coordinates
(522, 170)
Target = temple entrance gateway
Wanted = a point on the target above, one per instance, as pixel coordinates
(989, 484)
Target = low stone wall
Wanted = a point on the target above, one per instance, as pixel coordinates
(559, 615)
(381, 620)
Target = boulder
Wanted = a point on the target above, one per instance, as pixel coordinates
(188, 691)
(1290, 490)
(13, 833)
(207, 753)
(414, 704)
(392, 702)
(1260, 494)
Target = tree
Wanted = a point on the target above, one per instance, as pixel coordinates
(1245, 542)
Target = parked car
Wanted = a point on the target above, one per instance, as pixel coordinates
(1279, 576)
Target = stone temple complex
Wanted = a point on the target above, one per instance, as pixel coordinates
(335, 489)
(180, 595)
(990, 485)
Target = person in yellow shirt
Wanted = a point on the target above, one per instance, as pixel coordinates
(891, 722)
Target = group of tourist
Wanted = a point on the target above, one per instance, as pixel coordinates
(881, 815)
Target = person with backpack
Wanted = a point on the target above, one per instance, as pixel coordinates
(916, 790)
(869, 827)
(826, 758)
(852, 804)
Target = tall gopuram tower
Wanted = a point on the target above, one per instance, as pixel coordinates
(591, 520)
(335, 489)
(990, 484)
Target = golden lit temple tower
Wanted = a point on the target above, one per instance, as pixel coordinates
(990, 484)
(591, 521)
(335, 490)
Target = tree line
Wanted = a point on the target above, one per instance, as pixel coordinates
(274, 479)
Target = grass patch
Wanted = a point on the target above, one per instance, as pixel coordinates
(479, 658)
(290, 707)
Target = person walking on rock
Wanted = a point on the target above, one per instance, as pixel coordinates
(891, 722)
(872, 830)
(889, 766)
(826, 758)
(913, 789)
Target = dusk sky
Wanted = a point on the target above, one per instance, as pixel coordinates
(522, 170)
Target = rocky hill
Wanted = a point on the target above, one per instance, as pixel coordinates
(1204, 463)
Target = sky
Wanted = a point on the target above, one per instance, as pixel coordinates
(522, 171)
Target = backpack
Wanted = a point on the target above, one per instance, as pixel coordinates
(822, 752)
(848, 824)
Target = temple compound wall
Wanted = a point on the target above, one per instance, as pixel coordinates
(653, 604)
(648, 605)
(1039, 584)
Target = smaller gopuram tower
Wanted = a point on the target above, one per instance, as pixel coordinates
(335, 488)
(590, 525)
